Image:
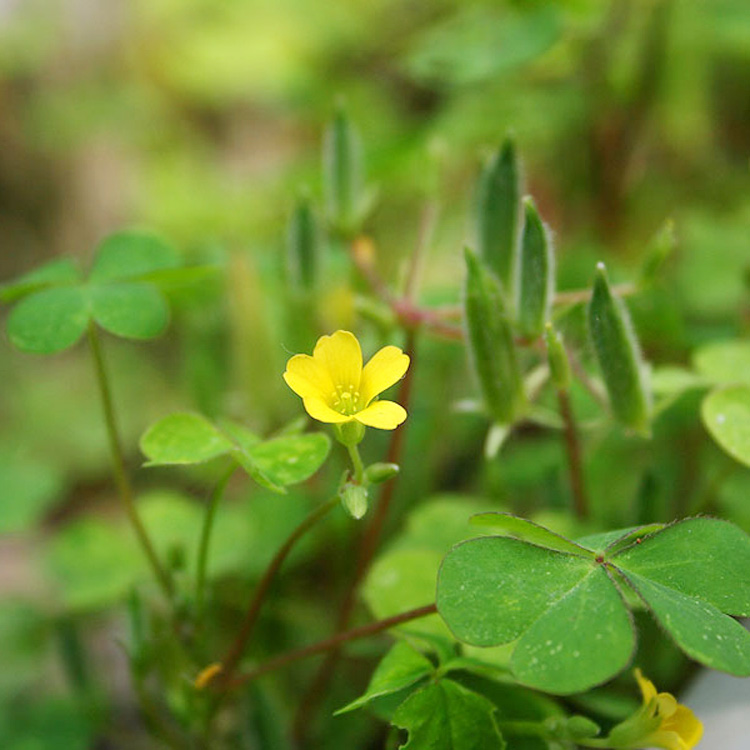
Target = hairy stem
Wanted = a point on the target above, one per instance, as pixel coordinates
(118, 463)
(335, 642)
(573, 449)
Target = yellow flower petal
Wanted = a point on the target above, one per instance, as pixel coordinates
(686, 724)
(667, 704)
(385, 415)
(308, 378)
(384, 369)
(319, 409)
(648, 691)
(665, 740)
(340, 355)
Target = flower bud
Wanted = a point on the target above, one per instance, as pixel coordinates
(380, 472)
(354, 499)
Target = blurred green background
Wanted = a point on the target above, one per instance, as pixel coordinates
(203, 120)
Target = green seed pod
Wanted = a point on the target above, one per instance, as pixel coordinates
(302, 246)
(380, 472)
(499, 214)
(342, 174)
(354, 499)
(536, 274)
(619, 356)
(491, 346)
(557, 357)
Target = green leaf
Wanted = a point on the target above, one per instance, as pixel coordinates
(619, 356)
(582, 640)
(491, 590)
(698, 557)
(183, 439)
(130, 255)
(291, 459)
(131, 310)
(536, 274)
(726, 416)
(446, 716)
(49, 321)
(698, 628)
(56, 272)
(491, 346)
(612, 541)
(724, 362)
(401, 667)
(499, 214)
(404, 579)
(506, 524)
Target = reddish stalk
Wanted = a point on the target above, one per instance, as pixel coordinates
(335, 642)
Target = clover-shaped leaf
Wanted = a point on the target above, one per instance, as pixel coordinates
(565, 607)
(275, 463)
(119, 295)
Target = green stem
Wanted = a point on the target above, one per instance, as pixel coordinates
(357, 465)
(335, 642)
(230, 661)
(208, 524)
(118, 464)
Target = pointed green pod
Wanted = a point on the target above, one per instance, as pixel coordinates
(536, 273)
(557, 358)
(302, 246)
(342, 173)
(619, 356)
(491, 346)
(499, 213)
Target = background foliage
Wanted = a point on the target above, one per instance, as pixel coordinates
(204, 121)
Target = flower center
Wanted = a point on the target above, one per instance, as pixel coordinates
(345, 400)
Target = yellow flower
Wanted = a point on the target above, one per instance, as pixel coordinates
(678, 727)
(335, 388)
(660, 722)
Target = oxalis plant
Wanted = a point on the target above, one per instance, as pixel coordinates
(501, 632)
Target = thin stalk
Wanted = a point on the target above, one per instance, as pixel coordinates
(573, 449)
(118, 465)
(357, 465)
(367, 550)
(230, 661)
(208, 524)
(335, 642)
